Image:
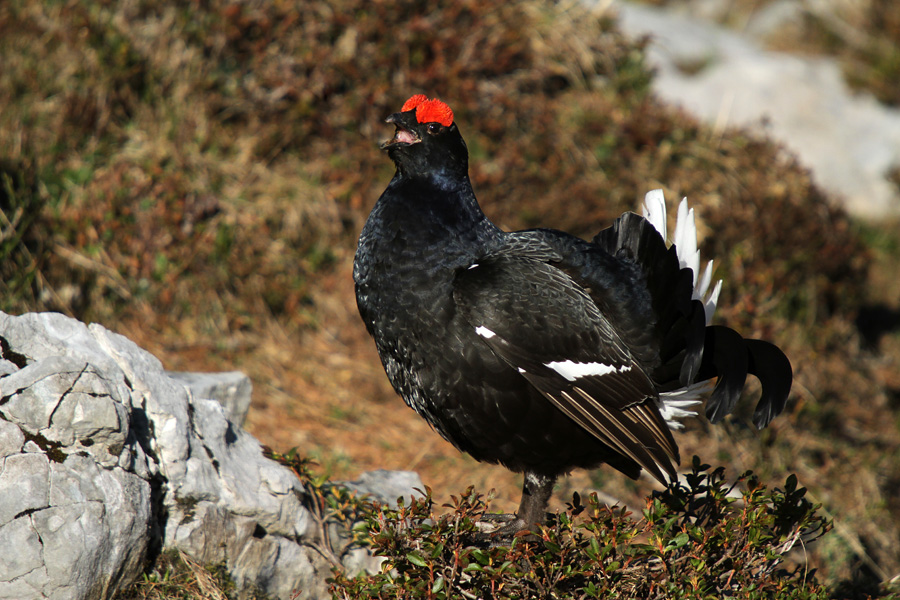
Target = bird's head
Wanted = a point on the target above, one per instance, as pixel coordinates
(426, 140)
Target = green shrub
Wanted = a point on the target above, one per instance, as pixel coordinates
(697, 539)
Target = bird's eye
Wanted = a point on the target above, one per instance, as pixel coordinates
(434, 128)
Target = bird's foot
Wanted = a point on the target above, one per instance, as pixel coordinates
(499, 530)
(490, 520)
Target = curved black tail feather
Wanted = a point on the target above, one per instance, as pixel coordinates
(731, 358)
(773, 369)
(724, 356)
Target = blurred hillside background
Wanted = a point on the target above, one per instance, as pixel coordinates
(194, 175)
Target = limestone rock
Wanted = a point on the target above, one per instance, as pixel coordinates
(232, 389)
(387, 486)
(63, 432)
(105, 459)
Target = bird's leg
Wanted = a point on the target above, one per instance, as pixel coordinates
(536, 492)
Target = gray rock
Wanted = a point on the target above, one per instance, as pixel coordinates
(104, 455)
(11, 439)
(33, 393)
(77, 527)
(106, 510)
(849, 141)
(16, 567)
(232, 389)
(77, 520)
(387, 486)
(24, 485)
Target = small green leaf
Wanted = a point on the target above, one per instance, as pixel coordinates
(678, 541)
(480, 556)
(416, 559)
(552, 547)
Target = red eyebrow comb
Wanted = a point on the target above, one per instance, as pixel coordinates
(429, 111)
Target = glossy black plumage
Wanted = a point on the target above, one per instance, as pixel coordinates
(535, 349)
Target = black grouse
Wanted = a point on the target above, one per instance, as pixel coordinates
(535, 349)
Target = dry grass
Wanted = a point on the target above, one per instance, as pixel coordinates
(178, 576)
(201, 172)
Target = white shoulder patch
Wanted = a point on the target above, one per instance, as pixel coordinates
(573, 370)
(484, 332)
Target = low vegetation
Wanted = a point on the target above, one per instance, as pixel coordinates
(695, 540)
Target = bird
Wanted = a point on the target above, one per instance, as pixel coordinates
(536, 349)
